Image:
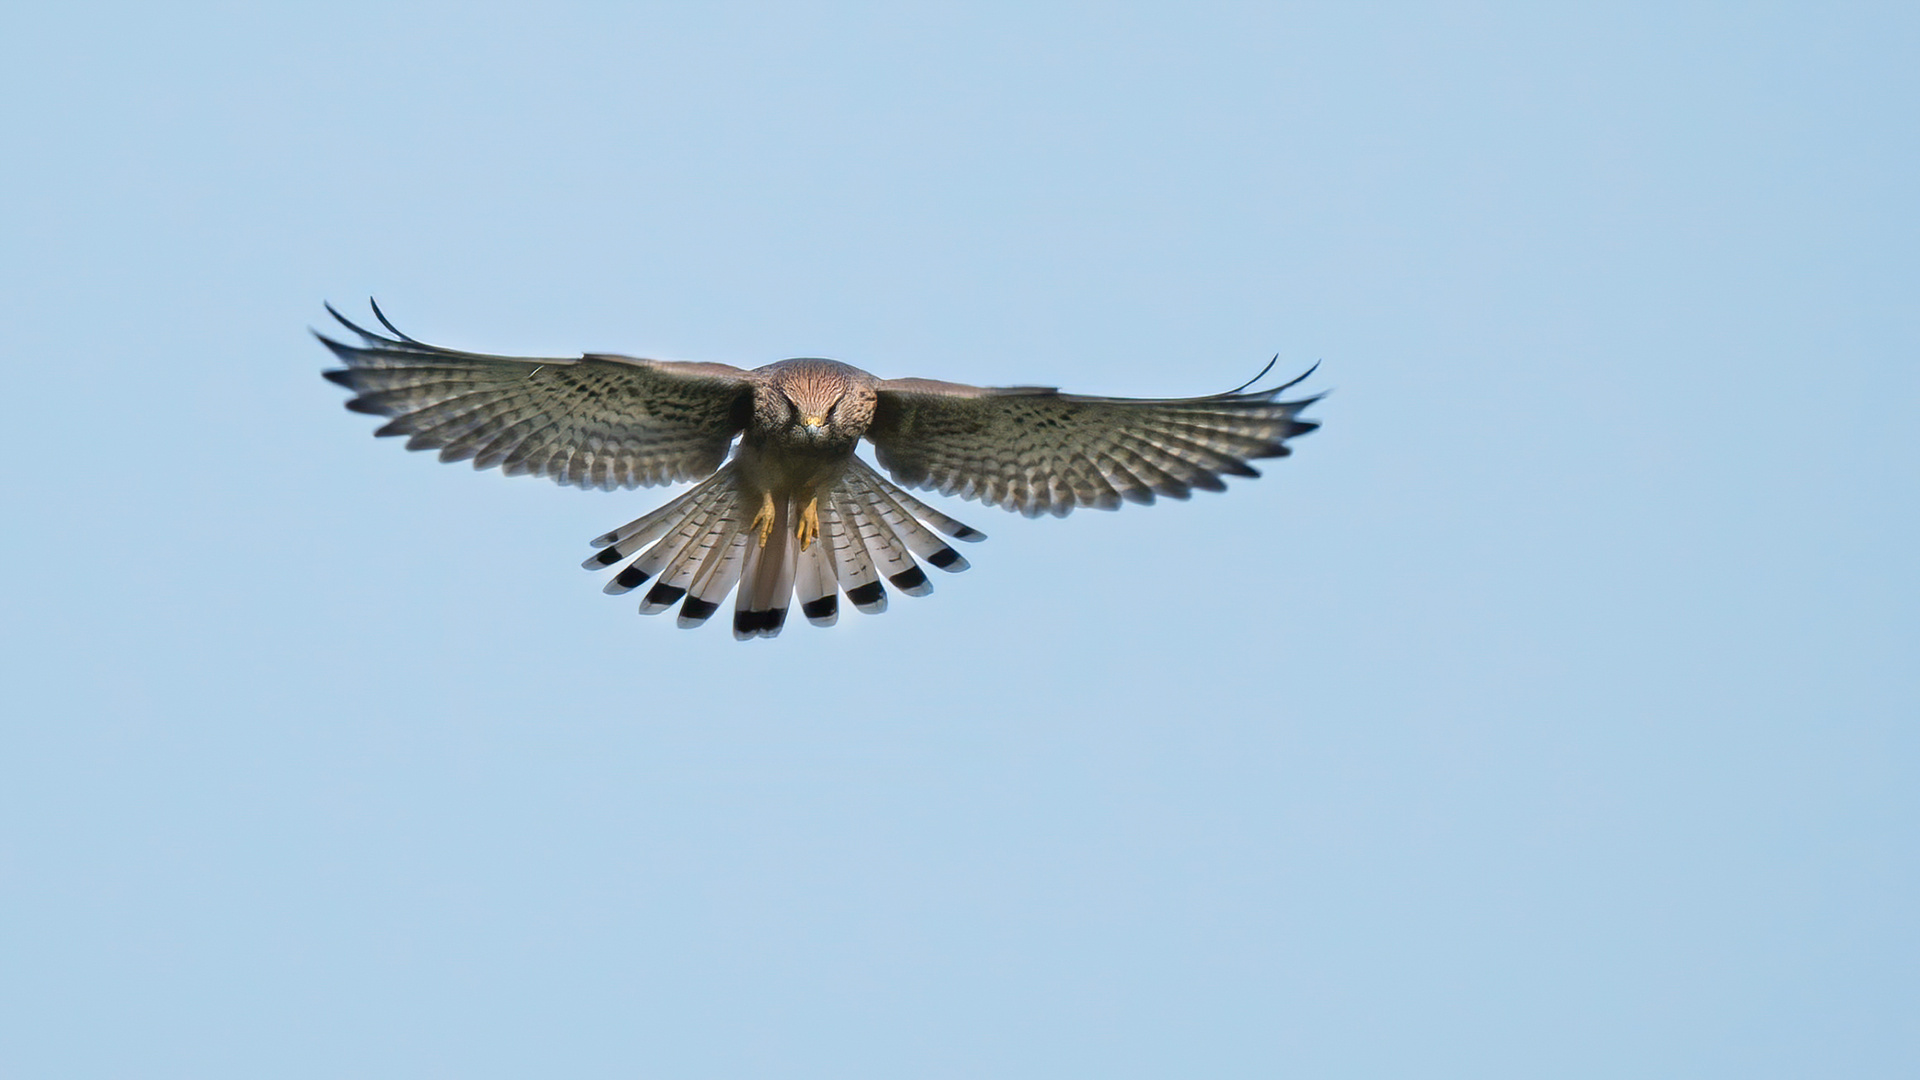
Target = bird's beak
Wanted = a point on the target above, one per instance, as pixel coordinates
(813, 424)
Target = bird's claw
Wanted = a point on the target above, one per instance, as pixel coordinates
(809, 528)
(763, 521)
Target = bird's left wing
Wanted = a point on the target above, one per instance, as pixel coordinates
(1036, 450)
(594, 421)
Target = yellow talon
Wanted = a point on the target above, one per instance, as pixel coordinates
(809, 528)
(763, 521)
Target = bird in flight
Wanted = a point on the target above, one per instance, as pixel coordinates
(794, 511)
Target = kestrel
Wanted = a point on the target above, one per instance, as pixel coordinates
(794, 510)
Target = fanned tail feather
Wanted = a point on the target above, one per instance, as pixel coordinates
(700, 540)
(716, 579)
(852, 568)
(673, 518)
(896, 509)
(702, 545)
(766, 581)
(890, 556)
(814, 583)
(918, 509)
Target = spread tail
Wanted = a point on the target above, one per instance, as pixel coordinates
(700, 545)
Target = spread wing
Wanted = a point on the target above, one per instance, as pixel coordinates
(1036, 450)
(596, 421)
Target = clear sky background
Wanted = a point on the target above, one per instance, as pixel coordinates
(1550, 713)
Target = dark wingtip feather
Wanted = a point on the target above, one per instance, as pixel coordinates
(1263, 374)
(603, 557)
(364, 333)
(388, 323)
(347, 353)
(1298, 379)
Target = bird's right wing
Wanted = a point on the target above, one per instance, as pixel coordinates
(594, 421)
(1036, 450)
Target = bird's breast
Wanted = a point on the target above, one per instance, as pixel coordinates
(792, 465)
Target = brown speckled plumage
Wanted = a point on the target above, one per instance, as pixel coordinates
(795, 510)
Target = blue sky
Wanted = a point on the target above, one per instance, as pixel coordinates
(1550, 712)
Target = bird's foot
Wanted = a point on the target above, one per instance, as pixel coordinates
(809, 528)
(763, 521)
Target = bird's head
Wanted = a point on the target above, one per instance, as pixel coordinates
(818, 403)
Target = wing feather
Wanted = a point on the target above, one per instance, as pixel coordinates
(1037, 451)
(596, 421)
